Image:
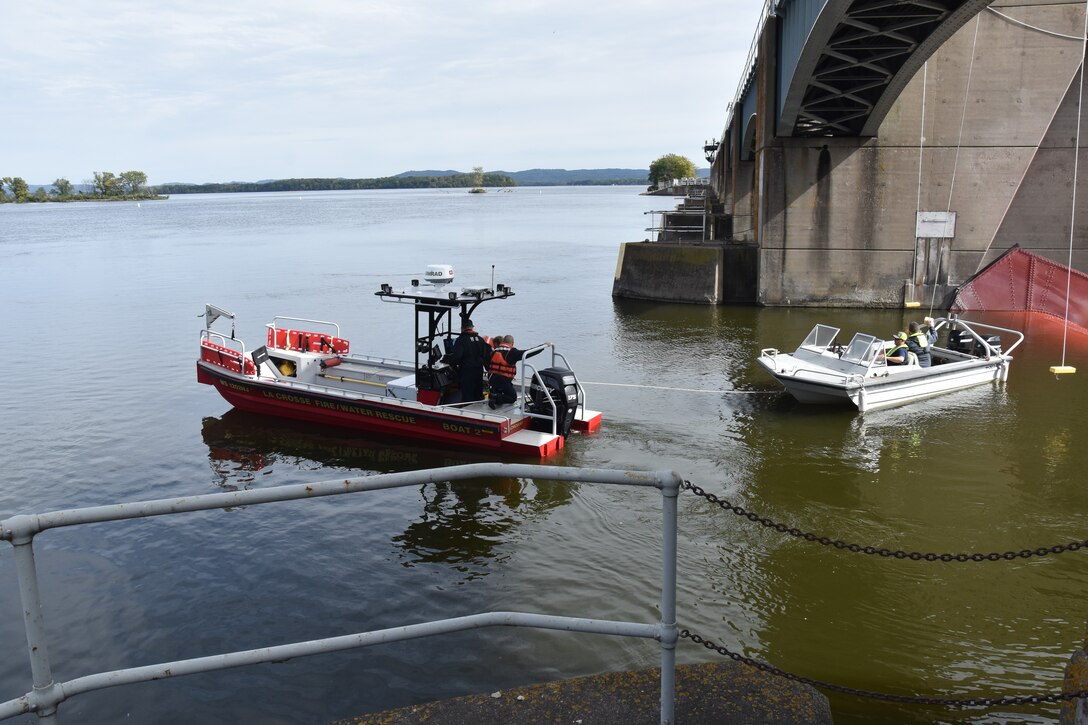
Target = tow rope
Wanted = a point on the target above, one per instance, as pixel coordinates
(684, 390)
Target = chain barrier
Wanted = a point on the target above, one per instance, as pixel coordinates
(889, 553)
(887, 697)
(894, 554)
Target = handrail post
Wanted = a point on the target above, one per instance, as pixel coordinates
(670, 488)
(23, 547)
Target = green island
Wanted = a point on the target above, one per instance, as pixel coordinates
(107, 186)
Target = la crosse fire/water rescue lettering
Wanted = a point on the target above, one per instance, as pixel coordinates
(342, 407)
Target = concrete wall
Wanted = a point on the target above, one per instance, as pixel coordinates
(834, 219)
(669, 272)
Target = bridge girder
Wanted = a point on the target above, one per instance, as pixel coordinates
(858, 56)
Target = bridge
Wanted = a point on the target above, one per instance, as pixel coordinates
(883, 152)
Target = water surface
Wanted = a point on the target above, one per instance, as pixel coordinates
(101, 405)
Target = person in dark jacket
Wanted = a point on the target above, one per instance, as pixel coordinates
(918, 343)
(470, 356)
(503, 368)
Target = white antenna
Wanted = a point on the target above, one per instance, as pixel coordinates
(492, 276)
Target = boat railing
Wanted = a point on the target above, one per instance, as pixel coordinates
(956, 323)
(556, 355)
(276, 320)
(214, 345)
(47, 694)
(217, 338)
(402, 402)
(378, 360)
(834, 375)
(526, 368)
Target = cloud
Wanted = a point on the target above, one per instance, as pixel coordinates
(210, 91)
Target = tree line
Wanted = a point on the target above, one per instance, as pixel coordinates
(453, 181)
(130, 185)
(105, 186)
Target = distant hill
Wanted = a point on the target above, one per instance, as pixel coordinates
(76, 188)
(428, 173)
(563, 177)
(430, 179)
(557, 177)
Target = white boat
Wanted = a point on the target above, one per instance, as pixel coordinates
(821, 371)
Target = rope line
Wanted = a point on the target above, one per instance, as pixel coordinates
(955, 163)
(1076, 162)
(963, 114)
(1022, 24)
(921, 148)
(683, 390)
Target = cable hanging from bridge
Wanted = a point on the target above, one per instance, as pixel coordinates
(683, 390)
(1022, 24)
(1064, 369)
(1036, 28)
(956, 162)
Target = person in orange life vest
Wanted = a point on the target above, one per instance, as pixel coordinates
(470, 355)
(898, 354)
(503, 368)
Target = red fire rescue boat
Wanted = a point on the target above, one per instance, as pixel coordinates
(306, 371)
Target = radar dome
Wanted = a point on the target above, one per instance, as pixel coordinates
(438, 274)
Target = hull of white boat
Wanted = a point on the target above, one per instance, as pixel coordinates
(893, 388)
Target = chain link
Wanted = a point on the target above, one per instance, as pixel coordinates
(872, 550)
(885, 696)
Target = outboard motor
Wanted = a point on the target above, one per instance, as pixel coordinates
(993, 341)
(562, 388)
(961, 341)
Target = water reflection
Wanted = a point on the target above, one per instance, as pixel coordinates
(467, 523)
(464, 523)
(677, 342)
(243, 445)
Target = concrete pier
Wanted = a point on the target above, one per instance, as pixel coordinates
(726, 693)
(972, 154)
(986, 131)
(709, 273)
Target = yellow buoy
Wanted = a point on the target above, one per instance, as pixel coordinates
(912, 304)
(1062, 369)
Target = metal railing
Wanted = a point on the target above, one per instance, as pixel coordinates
(47, 694)
(529, 374)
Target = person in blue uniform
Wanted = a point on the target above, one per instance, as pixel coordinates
(470, 356)
(899, 354)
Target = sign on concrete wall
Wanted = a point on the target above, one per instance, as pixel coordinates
(936, 225)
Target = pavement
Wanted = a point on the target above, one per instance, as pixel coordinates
(727, 693)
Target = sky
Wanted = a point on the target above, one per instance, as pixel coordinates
(244, 90)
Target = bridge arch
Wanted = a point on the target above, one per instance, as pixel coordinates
(843, 63)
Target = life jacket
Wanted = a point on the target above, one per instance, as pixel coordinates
(499, 366)
(923, 341)
(894, 352)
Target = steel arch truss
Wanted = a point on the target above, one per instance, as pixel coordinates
(858, 58)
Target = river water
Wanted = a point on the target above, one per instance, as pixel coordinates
(100, 405)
